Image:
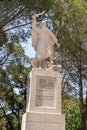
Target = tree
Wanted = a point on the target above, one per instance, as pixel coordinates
(15, 14)
(72, 112)
(70, 20)
(13, 89)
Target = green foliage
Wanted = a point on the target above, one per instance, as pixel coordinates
(3, 37)
(16, 48)
(70, 23)
(14, 15)
(72, 113)
(73, 118)
(13, 95)
(38, 5)
(13, 82)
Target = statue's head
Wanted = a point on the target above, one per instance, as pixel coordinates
(43, 24)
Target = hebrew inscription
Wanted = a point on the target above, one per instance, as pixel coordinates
(45, 92)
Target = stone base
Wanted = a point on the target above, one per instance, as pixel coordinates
(43, 121)
(45, 91)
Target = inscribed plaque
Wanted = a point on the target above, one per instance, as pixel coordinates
(45, 92)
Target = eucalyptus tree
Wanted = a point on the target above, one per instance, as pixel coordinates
(13, 82)
(70, 23)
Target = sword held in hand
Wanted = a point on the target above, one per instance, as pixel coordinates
(37, 15)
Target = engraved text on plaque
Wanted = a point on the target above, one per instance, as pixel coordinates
(45, 92)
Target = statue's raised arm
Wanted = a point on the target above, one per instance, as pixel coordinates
(35, 30)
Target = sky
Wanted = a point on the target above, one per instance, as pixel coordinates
(29, 50)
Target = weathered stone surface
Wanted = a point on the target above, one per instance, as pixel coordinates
(43, 121)
(43, 110)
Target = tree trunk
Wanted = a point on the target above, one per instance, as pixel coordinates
(19, 125)
(83, 121)
(84, 115)
(83, 106)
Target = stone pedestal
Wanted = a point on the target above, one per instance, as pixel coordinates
(43, 110)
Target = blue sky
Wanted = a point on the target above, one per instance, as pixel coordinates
(29, 50)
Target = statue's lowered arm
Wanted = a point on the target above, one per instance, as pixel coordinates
(54, 39)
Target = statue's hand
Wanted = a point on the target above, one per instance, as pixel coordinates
(37, 15)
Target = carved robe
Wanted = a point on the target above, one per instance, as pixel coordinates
(42, 41)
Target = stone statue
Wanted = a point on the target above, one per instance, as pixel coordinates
(42, 40)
